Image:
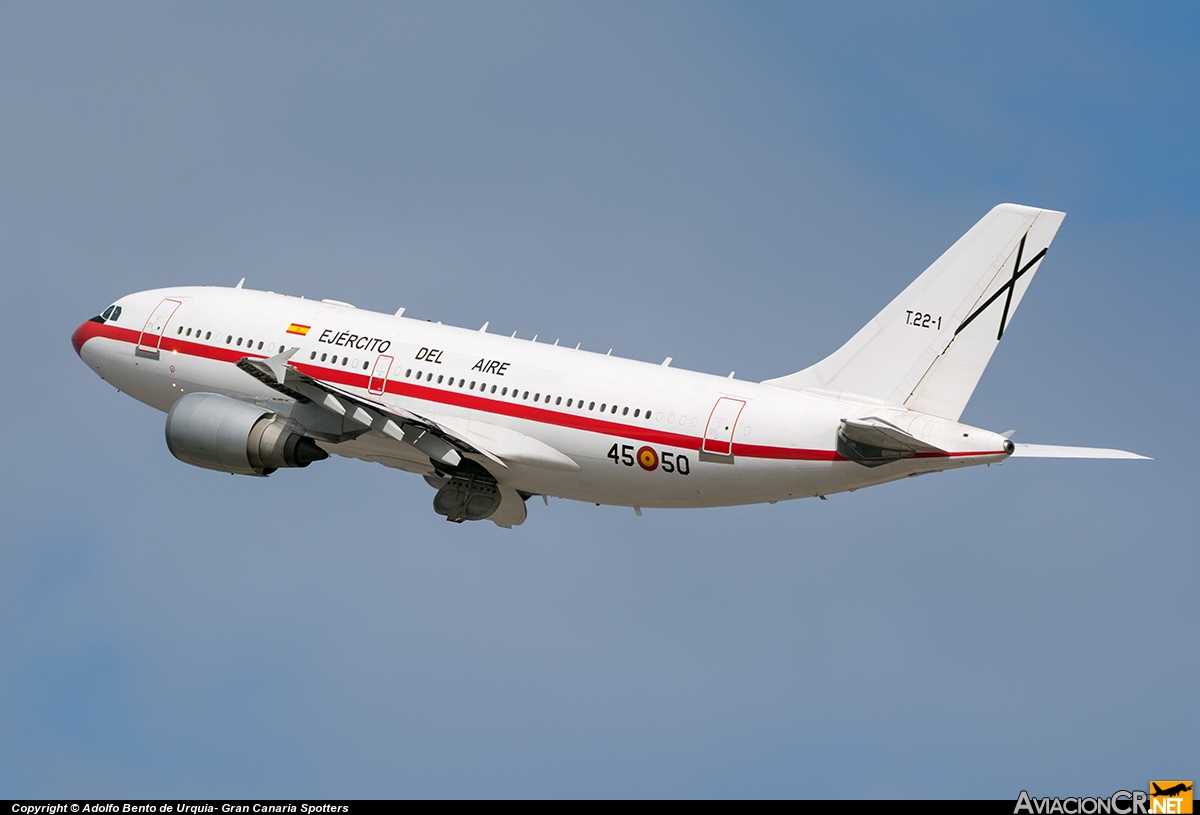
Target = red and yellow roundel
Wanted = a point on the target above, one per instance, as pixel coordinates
(647, 458)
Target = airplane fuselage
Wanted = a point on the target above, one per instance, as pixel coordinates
(604, 429)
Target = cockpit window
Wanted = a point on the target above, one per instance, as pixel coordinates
(108, 312)
(116, 315)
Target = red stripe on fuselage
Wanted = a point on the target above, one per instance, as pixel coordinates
(470, 401)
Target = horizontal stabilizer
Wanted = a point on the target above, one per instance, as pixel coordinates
(1059, 451)
(873, 442)
(876, 432)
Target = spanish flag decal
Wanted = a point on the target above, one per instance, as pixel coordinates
(296, 328)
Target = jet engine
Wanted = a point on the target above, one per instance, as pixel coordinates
(220, 433)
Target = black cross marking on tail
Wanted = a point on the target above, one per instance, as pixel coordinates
(1018, 270)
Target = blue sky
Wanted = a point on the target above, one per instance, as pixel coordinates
(740, 187)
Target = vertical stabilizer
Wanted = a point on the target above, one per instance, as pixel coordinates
(927, 349)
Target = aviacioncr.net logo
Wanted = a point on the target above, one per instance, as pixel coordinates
(1164, 798)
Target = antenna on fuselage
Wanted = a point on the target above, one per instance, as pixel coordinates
(240, 282)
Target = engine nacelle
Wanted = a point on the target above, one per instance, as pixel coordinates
(219, 433)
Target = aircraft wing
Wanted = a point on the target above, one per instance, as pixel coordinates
(1059, 451)
(435, 438)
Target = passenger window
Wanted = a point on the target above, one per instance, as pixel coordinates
(637, 413)
(229, 339)
(260, 345)
(624, 411)
(408, 373)
(439, 379)
(504, 392)
(313, 355)
(569, 402)
(180, 330)
(493, 388)
(239, 342)
(322, 357)
(526, 395)
(602, 407)
(472, 384)
(208, 335)
(429, 376)
(591, 405)
(365, 364)
(558, 401)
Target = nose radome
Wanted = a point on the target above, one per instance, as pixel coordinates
(82, 334)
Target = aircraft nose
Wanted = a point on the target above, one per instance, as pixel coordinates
(81, 335)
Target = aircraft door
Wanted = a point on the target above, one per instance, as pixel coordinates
(152, 331)
(379, 374)
(718, 434)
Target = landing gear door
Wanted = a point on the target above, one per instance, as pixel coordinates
(152, 331)
(718, 434)
(379, 374)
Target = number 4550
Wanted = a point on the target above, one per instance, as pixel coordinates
(650, 459)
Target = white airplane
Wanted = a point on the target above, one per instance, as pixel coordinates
(255, 381)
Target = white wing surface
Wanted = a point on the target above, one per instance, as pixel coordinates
(1059, 451)
(442, 440)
